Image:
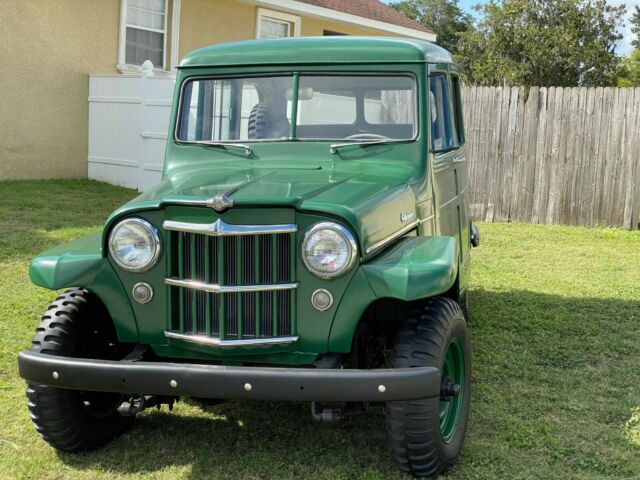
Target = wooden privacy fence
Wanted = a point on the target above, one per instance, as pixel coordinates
(554, 155)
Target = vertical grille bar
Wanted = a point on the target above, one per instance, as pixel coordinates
(239, 254)
(188, 294)
(193, 254)
(180, 248)
(284, 301)
(221, 280)
(214, 299)
(274, 279)
(230, 299)
(207, 278)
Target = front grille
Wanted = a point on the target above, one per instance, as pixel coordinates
(231, 282)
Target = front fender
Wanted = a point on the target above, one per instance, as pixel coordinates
(80, 263)
(416, 267)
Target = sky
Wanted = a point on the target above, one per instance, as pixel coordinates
(624, 46)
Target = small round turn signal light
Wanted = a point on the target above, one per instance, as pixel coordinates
(142, 292)
(322, 299)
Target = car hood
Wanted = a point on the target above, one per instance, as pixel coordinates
(376, 205)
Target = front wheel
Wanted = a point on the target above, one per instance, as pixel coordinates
(427, 435)
(76, 324)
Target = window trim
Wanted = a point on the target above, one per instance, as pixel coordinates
(458, 118)
(179, 108)
(122, 65)
(451, 122)
(280, 17)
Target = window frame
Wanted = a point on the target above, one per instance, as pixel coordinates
(179, 108)
(292, 20)
(458, 116)
(452, 117)
(122, 65)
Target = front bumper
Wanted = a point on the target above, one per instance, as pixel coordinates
(222, 382)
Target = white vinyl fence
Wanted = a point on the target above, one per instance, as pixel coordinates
(128, 124)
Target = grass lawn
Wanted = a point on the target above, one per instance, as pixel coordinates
(556, 352)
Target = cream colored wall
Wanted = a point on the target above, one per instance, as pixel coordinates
(205, 22)
(48, 50)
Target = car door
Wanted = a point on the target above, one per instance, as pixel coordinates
(449, 161)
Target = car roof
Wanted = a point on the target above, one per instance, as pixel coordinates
(317, 50)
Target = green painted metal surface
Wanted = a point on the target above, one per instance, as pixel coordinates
(307, 50)
(80, 263)
(414, 268)
(76, 261)
(375, 192)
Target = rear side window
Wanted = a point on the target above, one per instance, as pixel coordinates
(457, 108)
(443, 135)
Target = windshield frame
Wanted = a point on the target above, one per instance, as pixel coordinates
(295, 78)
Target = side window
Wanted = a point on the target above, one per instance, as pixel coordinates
(457, 108)
(443, 136)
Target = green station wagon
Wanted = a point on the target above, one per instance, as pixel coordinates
(310, 241)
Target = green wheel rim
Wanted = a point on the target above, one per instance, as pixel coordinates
(450, 411)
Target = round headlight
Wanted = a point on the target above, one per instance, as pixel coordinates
(329, 249)
(134, 245)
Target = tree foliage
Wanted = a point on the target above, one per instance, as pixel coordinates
(635, 27)
(629, 71)
(444, 17)
(543, 42)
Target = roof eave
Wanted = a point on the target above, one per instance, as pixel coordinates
(300, 8)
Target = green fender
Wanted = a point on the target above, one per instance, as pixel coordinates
(414, 268)
(80, 263)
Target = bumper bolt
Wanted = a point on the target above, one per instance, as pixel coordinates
(247, 387)
(382, 388)
(173, 384)
(55, 375)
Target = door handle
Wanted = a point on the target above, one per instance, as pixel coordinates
(459, 159)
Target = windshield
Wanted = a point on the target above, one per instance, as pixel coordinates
(331, 107)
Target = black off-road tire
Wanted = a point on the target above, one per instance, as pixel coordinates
(417, 444)
(76, 324)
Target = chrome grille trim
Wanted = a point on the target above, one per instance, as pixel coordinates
(215, 288)
(214, 341)
(223, 229)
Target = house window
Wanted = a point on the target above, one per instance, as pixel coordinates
(143, 32)
(272, 24)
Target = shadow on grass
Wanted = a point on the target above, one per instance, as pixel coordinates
(246, 440)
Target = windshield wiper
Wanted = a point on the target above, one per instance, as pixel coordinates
(247, 148)
(336, 146)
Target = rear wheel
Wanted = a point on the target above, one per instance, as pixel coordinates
(427, 435)
(76, 324)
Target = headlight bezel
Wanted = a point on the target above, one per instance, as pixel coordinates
(155, 236)
(345, 233)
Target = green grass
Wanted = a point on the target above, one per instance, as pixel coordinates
(556, 352)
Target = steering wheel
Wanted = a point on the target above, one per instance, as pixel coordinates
(366, 136)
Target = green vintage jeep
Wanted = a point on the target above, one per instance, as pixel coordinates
(309, 241)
